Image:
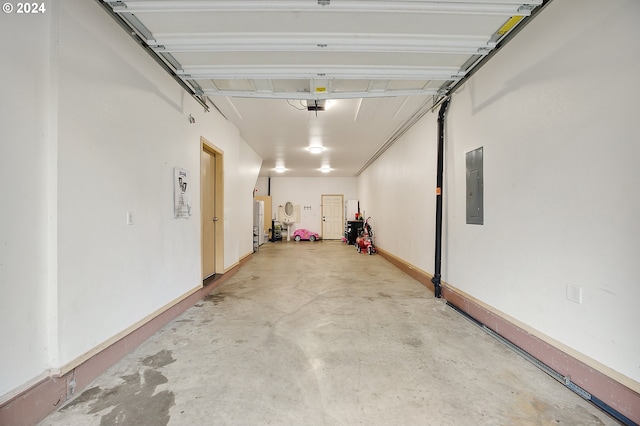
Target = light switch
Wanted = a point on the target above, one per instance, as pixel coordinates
(129, 218)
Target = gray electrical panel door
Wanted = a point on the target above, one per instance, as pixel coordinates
(475, 209)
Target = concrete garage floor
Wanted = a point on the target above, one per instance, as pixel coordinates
(317, 334)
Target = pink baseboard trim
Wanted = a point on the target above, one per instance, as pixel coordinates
(613, 393)
(34, 404)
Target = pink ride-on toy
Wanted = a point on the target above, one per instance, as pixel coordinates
(305, 234)
(364, 242)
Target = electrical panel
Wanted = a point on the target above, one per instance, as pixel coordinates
(475, 207)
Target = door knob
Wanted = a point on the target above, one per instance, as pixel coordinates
(215, 219)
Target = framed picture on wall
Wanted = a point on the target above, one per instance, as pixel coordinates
(181, 200)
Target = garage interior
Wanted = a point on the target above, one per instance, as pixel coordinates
(498, 180)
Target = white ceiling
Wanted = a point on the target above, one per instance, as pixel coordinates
(379, 64)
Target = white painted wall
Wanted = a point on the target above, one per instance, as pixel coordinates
(118, 128)
(249, 167)
(398, 193)
(557, 115)
(25, 92)
(305, 191)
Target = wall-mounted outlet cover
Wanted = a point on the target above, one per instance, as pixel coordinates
(574, 293)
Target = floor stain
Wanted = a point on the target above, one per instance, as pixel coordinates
(85, 396)
(416, 343)
(546, 413)
(380, 294)
(215, 298)
(162, 358)
(134, 401)
(577, 415)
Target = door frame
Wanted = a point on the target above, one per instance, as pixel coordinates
(207, 148)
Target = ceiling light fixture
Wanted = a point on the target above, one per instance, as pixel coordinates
(316, 149)
(325, 169)
(280, 169)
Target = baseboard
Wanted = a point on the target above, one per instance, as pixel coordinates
(25, 387)
(614, 389)
(40, 399)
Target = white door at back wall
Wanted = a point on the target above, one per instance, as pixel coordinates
(332, 217)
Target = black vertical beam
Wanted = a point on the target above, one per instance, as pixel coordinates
(439, 192)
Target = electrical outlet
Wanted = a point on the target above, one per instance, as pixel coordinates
(574, 293)
(129, 218)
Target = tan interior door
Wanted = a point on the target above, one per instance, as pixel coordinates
(209, 219)
(332, 217)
